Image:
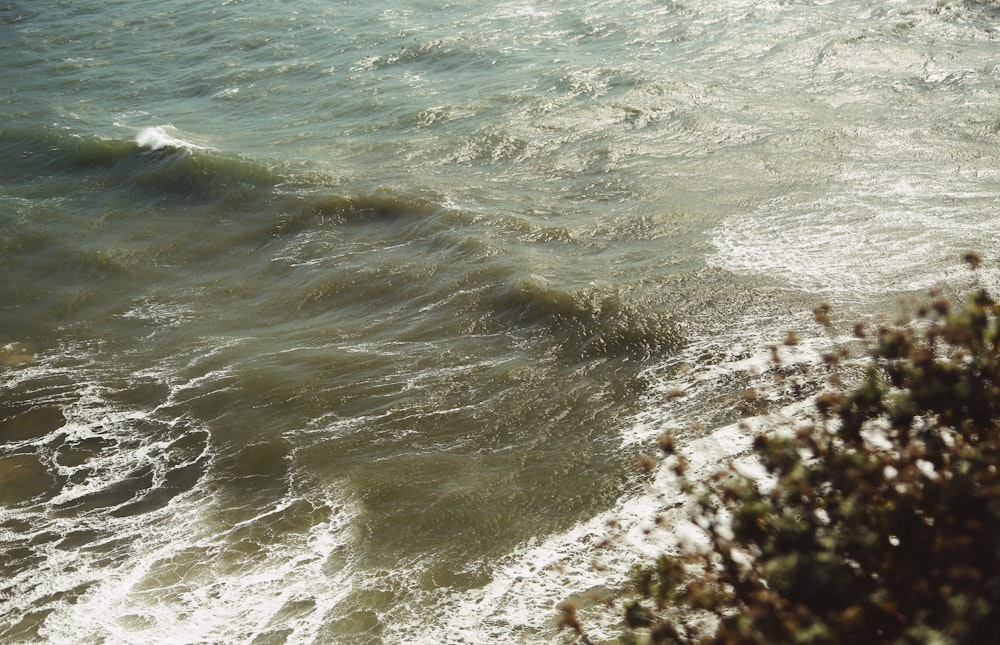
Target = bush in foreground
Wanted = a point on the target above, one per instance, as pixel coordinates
(878, 522)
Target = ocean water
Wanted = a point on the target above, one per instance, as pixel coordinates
(344, 322)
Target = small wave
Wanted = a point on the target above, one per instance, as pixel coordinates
(451, 51)
(591, 321)
(49, 149)
(156, 165)
(306, 212)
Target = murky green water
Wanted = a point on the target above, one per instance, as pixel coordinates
(343, 322)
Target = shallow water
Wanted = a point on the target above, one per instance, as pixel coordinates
(344, 322)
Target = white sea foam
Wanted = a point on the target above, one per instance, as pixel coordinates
(885, 232)
(181, 581)
(173, 574)
(161, 137)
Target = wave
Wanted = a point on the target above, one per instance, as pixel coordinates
(592, 322)
(305, 212)
(155, 165)
(162, 166)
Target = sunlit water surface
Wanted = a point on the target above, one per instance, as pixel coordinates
(344, 322)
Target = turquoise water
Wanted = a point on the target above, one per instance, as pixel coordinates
(344, 322)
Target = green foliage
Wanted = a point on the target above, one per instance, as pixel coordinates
(878, 522)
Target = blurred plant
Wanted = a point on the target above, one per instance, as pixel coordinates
(877, 522)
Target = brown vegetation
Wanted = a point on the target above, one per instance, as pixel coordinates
(878, 522)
